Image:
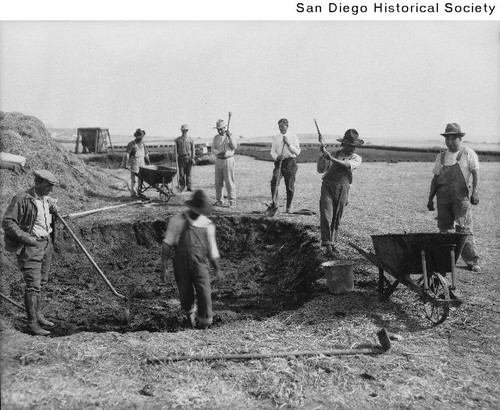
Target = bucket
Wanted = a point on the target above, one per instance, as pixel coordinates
(339, 276)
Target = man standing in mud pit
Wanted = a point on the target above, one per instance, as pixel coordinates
(450, 184)
(337, 180)
(192, 237)
(284, 150)
(28, 224)
(223, 147)
(184, 149)
(136, 156)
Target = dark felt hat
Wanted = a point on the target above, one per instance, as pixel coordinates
(453, 129)
(199, 202)
(283, 121)
(139, 133)
(351, 137)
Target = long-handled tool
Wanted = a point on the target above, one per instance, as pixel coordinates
(273, 207)
(12, 301)
(103, 276)
(383, 337)
(176, 165)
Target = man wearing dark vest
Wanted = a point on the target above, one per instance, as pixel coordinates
(184, 149)
(192, 236)
(451, 186)
(337, 169)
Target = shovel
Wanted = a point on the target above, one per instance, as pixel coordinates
(103, 276)
(273, 207)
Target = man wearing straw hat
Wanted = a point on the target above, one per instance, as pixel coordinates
(28, 224)
(451, 186)
(284, 151)
(337, 179)
(192, 235)
(184, 149)
(223, 147)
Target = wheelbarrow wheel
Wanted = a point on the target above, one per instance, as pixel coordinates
(165, 193)
(440, 293)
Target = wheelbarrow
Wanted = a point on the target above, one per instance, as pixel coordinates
(421, 262)
(156, 177)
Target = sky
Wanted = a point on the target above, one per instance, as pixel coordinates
(387, 79)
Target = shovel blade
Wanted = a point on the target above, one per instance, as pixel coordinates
(271, 210)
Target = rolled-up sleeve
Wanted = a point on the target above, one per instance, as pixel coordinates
(355, 162)
(212, 243)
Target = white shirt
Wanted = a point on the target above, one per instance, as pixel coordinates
(468, 162)
(176, 226)
(279, 146)
(43, 221)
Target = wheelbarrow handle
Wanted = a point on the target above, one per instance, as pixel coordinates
(91, 260)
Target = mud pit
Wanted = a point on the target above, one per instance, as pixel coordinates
(268, 265)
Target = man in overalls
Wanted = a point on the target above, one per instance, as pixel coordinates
(136, 156)
(192, 235)
(450, 185)
(185, 151)
(337, 179)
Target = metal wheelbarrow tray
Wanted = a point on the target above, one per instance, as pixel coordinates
(431, 256)
(157, 177)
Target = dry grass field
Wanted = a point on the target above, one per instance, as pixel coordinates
(449, 366)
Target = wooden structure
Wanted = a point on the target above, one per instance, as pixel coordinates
(94, 140)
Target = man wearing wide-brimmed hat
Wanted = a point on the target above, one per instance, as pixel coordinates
(184, 150)
(192, 236)
(136, 156)
(29, 229)
(223, 147)
(337, 179)
(451, 186)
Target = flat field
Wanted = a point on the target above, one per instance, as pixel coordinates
(452, 365)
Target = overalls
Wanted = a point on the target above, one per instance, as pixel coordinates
(453, 206)
(333, 200)
(191, 271)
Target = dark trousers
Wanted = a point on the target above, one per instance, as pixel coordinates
(185, 165)
(331, 208)
(288, 170)
(34, 263)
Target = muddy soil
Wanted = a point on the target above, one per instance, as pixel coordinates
(266, 265)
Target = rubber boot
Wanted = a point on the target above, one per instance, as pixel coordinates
(42, 320)
(30, 301)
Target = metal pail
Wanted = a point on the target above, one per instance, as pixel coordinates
(339, 277)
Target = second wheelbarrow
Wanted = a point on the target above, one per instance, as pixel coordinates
(428, 256)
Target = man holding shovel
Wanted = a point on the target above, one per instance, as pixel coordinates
(284, 150)
(337, 169)
(28, 224)
(223, 147)
(192, 236)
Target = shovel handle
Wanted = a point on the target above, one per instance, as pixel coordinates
(91, 260)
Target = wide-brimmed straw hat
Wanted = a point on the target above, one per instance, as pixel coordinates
(199, 202)
(46, 176)
(453, 129)
(351, 137)
(220, 124)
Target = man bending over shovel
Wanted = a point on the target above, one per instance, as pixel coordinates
(337, 169)
(192, 235)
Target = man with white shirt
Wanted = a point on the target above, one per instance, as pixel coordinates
(284, 150)
(337, 169)
(192, 235)
(223, 147)
(451, 186)
(28, 224)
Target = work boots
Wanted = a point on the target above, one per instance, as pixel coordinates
(41, 318)
(30, 301)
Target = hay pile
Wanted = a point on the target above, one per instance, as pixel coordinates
(27, 136)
